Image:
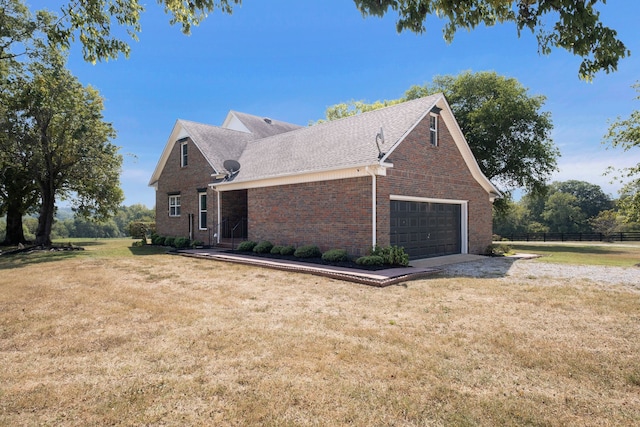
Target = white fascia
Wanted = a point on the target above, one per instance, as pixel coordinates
(306, 177)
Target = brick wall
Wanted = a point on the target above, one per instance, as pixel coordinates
(329, 214)
(421, 170)
(186, 181)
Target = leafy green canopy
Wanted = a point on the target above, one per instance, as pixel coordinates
(578, 28)
(625, 134)
(96, 23)
(503, 124)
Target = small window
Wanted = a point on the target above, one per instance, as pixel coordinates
(174, 205)
(433, 130)
(202, 224)
(184, 150)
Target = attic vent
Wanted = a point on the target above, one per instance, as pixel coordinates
(267, 120)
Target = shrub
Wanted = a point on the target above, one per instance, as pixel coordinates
(308, 251)
(287, 250)
(264, 247)
(392, 255)
(139, 229)
(246, 246)
(182, 242)
(370, 260)
(276, 250)
(497, 249)
(197, 243)
(169, 241)
(157, 240)
(395, 255)
(335, 255)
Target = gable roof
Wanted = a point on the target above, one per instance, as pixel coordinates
(260, 127)
(347, 142)
(267, 157)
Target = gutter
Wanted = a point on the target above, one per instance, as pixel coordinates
(374, 202)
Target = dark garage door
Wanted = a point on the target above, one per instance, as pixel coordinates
(426, 229)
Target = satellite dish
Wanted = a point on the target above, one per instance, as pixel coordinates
(232, 166)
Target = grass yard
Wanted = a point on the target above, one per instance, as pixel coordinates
(129, 336)
(625, 254)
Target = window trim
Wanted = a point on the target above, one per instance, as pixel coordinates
(184, 154)
(433, 129)
(174, 205)
(202, 210)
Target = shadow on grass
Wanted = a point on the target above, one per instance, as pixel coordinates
(18, 260)
(147, 250)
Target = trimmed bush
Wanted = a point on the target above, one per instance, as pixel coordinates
(396, 256)
(370, 260)
(169, 241)
(287, 250)
(276, 250)
(157, 240)
(392, 255)
(264, 247)
(182, 242)
(498, 249)
(335, 255)
(197, 243)
(308, 251)
(246, 246)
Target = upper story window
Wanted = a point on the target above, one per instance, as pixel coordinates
(174, 205)
(184, 152)
(433, 130)
(202, 217)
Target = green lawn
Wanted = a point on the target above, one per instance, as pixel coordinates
(613, 254)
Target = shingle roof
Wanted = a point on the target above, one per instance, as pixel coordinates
(350, 141)
(217, 144)
(263, 127)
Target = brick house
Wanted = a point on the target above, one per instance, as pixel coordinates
(402, 175)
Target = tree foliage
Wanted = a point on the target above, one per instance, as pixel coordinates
(506, 130)
(578, 28)
(64, 141)
(569, 206)
(625, 134)
(98, 24)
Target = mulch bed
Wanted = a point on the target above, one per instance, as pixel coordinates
(319, 261)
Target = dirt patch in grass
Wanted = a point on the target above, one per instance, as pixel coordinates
(156, 339)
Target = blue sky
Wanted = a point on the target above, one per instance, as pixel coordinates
(290, 60)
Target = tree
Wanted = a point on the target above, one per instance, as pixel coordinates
(69, 141)
(562, 213)
(99, 24)
(629, 202)
(590, 198)
(578, 28)
(625, 133)
(503, 124)
(18, 189)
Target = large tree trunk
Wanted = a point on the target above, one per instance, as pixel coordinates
(15, 232)
(45, 220)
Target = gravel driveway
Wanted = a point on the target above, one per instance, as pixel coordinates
(545, 273)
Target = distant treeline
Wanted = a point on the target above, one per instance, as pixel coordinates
(67, 225)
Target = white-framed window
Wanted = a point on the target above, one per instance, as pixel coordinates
(433, 130)
(202, 211)
(184, 154)
(174, 205)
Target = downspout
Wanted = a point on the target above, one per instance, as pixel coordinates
(219, 214)
(374, 214)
